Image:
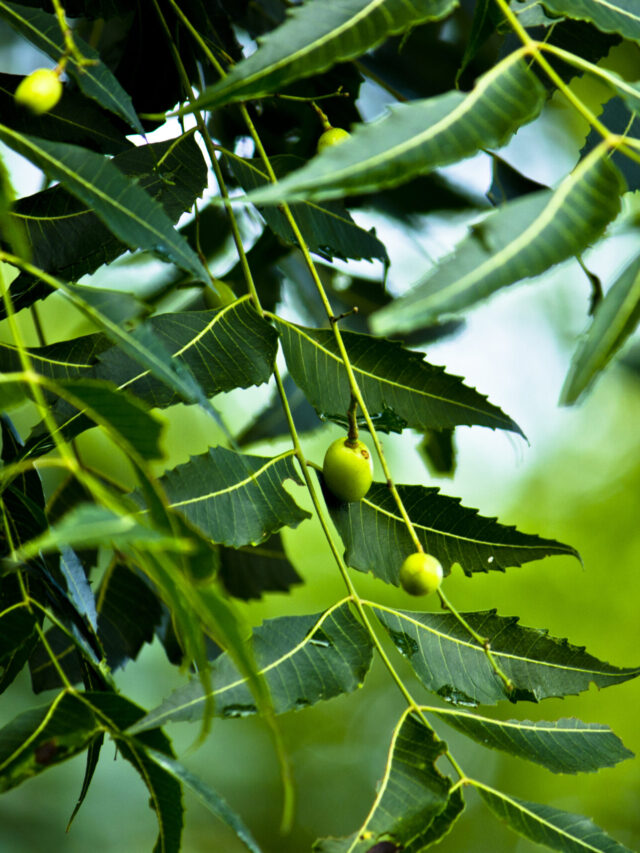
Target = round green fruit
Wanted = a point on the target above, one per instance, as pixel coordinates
(420, 574)
(348, 469)
(40, 91)
(333, 136)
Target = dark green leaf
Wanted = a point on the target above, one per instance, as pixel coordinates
(42, 737)
(377, 540)
(438, 450)
(419, 137)
(314, 38)
(449, 662)
(249, 572)
(559, 830)
(69, 239)
(304, 660)
(130, 213)
(17, 630)
(411, 795)
(522, 238)
(616, 318)
(74, 119)
(327, 229)
(563, 746)
(95, 79)
(390, 378)
(233, 498)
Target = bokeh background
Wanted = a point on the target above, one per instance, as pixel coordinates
(577, 479)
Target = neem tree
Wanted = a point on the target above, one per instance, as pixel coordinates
(93, 570)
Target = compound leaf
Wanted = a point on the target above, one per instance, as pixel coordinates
(303, 660)
(376, 537)
(448, 661)
(313, 38)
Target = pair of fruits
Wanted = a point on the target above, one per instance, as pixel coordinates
(40, 91)
(348, 472)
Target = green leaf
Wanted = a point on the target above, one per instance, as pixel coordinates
(411, 795)
(78, 587)
(303, 659)
(17, 630)
(117, 714)
(231, 347)
(42, 737)
(419, 137)
(206, 795)
(95, 80)
(89, 526)
(68, 239)
(448, 661)
(234, 498)
(563, 746)
(611, 16)
(389, 376)
(520, 239)
(74, 119)
(616, 318)
(327, 229)
(128, 211)
(249, 572)
(559, 830)
(315, 37)
(377, 540)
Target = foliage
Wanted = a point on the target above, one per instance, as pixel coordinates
(94, 567)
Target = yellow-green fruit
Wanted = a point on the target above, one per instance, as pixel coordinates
(40, 91)
(420, 574)
(348, 469)
(333, 136)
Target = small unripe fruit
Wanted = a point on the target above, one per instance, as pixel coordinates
(420, 574)
(40, 91)
(348, 469)
(333, 136)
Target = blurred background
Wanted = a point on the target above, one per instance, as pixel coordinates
(576, 479)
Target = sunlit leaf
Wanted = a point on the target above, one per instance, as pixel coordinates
(315, 37)
(611, 16)
(616, 318)
(448, 661)
(520, 239)
(419, 137)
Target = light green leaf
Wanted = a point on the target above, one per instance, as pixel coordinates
(130, 213)
(391, 379)
(95, 79)
(313, 38)
(522, 238)
(611, 16)
(559, 830)
(233, 498)
(448, 661)
(89, 526)
(412, 794)
(616, 318)
(377, 540)
(303, 660)
(563, 746)
(418, 137)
